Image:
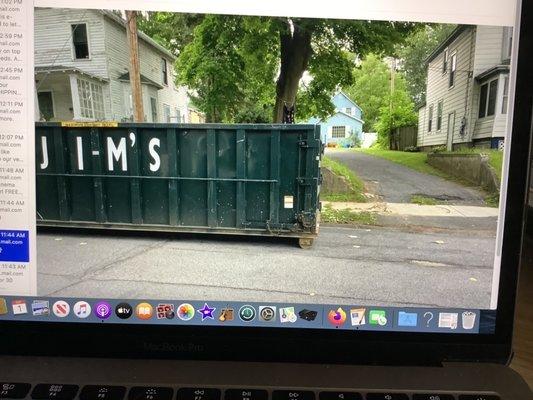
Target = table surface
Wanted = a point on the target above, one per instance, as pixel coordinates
(523, 337)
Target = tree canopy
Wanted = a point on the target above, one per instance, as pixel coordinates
(414, 52)
(171, 30)
(370, 88)
(228, 69)
(242, 67)
(398, 111)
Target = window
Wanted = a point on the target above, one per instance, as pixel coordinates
(46, 105)
(430, 118)
(507, 42)
(445, 61)
(348, 111)
(153, 106)
(164, 71)
(493, 90)
(439, 115)
(487, 98)
(91, 100)
(338, 132)
(505, 97)
(80, 41)
(178, 115)
(453, 68)
(166, 113)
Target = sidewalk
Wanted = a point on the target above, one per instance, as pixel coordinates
(416, 209)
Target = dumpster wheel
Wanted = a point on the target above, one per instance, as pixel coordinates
(305, 243)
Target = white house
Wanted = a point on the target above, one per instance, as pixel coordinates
(81, 70)
(467, 89)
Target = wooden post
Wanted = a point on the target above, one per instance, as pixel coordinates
(391, 101)
(135, 69)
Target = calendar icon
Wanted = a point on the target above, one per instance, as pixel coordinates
(19, 307)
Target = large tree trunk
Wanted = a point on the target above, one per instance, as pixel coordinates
(295, 54)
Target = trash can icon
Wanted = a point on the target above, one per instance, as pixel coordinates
(469, 320)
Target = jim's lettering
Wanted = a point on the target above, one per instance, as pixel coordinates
(115, 153)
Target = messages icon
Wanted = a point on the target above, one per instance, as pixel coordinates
(407, 318)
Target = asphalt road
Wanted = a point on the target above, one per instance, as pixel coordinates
(347, 265)
(395, 183)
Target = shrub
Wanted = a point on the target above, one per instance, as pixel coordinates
(439, 149)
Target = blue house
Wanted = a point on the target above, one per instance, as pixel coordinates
(346, 121)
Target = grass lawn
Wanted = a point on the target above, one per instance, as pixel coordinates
(347, 216)
(356, 184)
(423, 200)
(416, 161)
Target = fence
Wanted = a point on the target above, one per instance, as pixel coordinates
(404, 137)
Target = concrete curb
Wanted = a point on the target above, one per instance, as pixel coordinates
(416, 209)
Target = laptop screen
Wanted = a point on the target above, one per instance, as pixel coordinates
(331, 166)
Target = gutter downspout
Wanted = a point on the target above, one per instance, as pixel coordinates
(470, 77)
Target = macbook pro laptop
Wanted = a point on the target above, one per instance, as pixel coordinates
(262, 200)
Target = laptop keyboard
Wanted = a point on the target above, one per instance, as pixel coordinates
(103, 392)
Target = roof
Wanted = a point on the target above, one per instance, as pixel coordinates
(319, 120)
(347, 98)
(49, 69)
(492, 71)
(147, 81)
(451, 37)
(121, 21)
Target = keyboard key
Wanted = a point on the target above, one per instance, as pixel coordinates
(245, 394)
(432, 396)
(387, 396)
(293, 395)
(340, 396)
(478, 397)
(44, 391)
(102, 392)
(198, 394)
(150, 393)
(14, 390)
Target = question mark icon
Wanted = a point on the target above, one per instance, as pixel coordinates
(429, 316)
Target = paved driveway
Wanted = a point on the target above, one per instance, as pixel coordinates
(395, 183)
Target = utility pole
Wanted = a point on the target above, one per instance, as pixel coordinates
(391, 106)
(135, 69)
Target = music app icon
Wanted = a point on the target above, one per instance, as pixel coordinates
(82, 309)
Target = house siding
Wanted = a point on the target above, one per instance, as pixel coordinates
(454, 98)
(61, 98)
(488, 54)
(495, 125)
(352, 122)
(339, 119)
(109, 59)
(342, 102)
(150, 65)
(53, 43)
(488, 50)
(53, 47)
(421, 121)
(479, 49)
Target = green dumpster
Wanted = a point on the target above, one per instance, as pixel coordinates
(208, 178)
